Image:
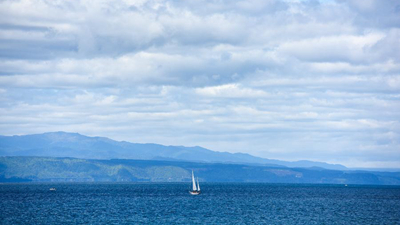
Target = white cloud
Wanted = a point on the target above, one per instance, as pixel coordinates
(347, 48)
(230, 91)
(279, 79)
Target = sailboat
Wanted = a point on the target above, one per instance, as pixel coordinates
(195, 190)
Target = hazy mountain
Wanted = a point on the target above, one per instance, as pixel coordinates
(62, 144)
(45, 169)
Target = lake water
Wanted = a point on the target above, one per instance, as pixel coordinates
(219, 203)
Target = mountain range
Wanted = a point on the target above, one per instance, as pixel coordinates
(51, 169)
(63, 144)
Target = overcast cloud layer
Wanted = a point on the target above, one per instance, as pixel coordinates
(285, 80)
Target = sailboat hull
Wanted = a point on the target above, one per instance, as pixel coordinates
(194, 192)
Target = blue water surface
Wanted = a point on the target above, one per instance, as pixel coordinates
(219, 203)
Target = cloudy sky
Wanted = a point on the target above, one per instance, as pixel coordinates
(290, 80)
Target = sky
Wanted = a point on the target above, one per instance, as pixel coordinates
(290, 80)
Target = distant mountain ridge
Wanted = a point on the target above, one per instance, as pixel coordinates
(51, 169)
(63, 144)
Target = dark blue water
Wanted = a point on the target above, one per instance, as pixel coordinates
(166, 203)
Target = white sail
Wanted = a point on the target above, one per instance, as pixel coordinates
(198, 184)
(194, 188)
